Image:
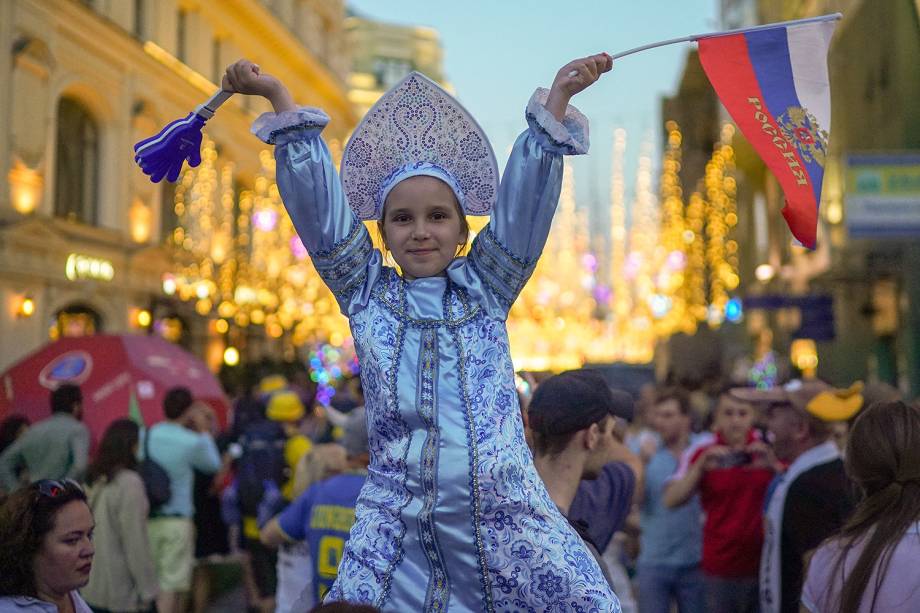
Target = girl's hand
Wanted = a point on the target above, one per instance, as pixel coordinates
(244, 77)
(573, 78)
(577, 75)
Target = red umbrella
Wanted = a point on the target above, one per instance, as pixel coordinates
(120, 375)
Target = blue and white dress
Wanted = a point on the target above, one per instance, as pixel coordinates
(453, 516)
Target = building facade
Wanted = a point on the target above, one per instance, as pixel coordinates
(383, 53)
(86, 240)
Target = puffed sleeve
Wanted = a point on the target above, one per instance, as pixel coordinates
(337, 241)
(505, 253)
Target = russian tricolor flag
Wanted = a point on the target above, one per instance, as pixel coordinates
(773, 81)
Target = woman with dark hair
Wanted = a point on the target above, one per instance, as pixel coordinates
(124, 578)
(871, 565)
(12, 428)
(46, 548)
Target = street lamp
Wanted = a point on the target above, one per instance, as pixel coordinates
(231, 356)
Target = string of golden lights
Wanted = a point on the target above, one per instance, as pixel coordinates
(242, 262)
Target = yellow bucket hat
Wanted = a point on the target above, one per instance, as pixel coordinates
(272, 383)
(285, 406)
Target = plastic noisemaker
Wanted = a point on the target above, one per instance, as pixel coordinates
(163, 154)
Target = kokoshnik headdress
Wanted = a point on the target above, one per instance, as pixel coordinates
(417, 128)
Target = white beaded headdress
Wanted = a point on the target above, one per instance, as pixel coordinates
(417, 128)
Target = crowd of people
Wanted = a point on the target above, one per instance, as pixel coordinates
(762, 511)
(270, 494)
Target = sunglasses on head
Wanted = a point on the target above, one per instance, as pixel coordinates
(52, 488)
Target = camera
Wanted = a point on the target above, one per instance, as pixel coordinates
(735, 458)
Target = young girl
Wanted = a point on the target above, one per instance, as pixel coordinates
(453, 515)
(871, 564)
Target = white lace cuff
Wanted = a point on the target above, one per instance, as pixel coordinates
(569, 137)
(280, 128)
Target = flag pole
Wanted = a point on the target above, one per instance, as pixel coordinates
(686, 39)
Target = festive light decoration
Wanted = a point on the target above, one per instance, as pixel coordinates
(330, 363)
(231, 356)
(721, 217)
(671, 269)
(622, 296)
(645, 254)
(674, 237)
(675, 265)
(764, 273)
(764, 373)
(242, 259)
(24, 306)
(551, 325)
(804, 355)
(734, 310)
(140, 221)
(702, 260)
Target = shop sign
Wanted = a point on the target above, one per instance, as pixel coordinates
(80, 267)
(883, 195)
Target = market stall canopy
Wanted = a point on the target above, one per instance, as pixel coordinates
(120, 375)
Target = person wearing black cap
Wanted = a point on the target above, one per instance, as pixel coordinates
(604, 503)
(572, 419)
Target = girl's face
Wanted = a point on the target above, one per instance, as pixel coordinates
(422, 227)
(65, 558)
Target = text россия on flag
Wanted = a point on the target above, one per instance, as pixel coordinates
(774, 83)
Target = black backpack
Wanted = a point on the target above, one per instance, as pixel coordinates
(155, 477)
(262, 460)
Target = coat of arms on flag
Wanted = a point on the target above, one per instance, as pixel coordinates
(801, 129)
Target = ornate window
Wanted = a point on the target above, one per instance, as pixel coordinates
(76, 182)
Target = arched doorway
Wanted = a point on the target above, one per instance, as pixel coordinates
(76, 319)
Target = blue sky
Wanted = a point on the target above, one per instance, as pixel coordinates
(498, 51)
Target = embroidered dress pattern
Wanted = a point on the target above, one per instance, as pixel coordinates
(379, 526)
(501, 271)
(343, 268)
(473, 443)
(438, 591)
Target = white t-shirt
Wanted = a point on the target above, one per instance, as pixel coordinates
(18, 604)
(295, 579)
(899, 592)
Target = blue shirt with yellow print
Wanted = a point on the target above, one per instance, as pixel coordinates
(322, 516)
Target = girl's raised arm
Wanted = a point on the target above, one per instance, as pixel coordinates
(310, 188)
(506, 251)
